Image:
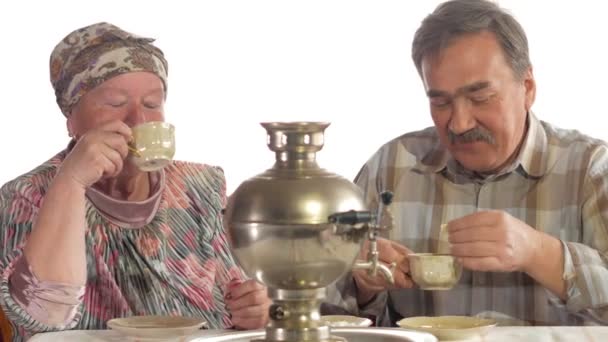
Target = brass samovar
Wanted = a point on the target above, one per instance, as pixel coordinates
(297, 228)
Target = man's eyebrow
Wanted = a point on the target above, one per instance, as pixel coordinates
(436, 93)
(469, 88)
(474, 87)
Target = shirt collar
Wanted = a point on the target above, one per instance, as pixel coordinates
(130, 214)
(533, 155)
(127, 214)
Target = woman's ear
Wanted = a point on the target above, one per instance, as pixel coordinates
(69, 126)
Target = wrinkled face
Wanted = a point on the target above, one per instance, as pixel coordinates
(132, 98)
(477, 104)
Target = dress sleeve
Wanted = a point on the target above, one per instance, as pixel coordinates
(31, 305)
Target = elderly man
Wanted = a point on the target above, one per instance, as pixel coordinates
(525, 203)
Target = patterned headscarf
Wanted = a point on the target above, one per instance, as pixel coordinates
(91, 55)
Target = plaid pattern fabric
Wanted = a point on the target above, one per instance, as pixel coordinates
(557, 185)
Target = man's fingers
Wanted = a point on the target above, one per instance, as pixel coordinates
(475, 249)
(481, 233)
(400, 248)
(402, 280)
(481, 264)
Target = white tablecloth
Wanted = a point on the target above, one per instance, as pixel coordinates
(498, 334)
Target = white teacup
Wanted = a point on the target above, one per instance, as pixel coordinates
(434, 271)
(153, 145)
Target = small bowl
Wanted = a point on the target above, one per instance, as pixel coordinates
(434, 271)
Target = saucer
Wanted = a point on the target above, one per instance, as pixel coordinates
(345, 321)
(156, 328)
(449, 327)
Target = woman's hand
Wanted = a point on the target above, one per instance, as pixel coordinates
(248, 304)
(98, 154)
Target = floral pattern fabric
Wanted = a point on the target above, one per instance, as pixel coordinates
(177, 264)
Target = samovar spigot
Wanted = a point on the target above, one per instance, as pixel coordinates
(381, 221)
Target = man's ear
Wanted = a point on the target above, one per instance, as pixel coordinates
(530, 88)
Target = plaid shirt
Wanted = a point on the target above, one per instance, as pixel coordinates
(557, 185)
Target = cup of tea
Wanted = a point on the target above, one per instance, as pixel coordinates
(153, 145)
(434, 271)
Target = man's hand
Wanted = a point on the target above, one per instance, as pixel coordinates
(389, 251)
(493, 241)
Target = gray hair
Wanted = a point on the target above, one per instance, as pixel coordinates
(455, 18)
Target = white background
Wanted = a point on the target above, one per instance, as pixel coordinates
(233, 64)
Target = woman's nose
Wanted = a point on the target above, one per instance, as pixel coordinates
(135, 116)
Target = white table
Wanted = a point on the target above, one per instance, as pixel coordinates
(498, 334)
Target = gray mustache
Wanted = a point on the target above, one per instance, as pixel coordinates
(472, 135)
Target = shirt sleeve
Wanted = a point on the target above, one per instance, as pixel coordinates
(29, 304)
(585, 264)
(342, 299)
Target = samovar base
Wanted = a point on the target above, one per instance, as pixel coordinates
(295, 317)
(351, 334)
(331, 339)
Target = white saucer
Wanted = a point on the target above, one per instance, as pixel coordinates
(155, 328)
(345, 321)
(449, 327)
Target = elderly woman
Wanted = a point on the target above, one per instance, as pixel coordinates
(87, 236)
